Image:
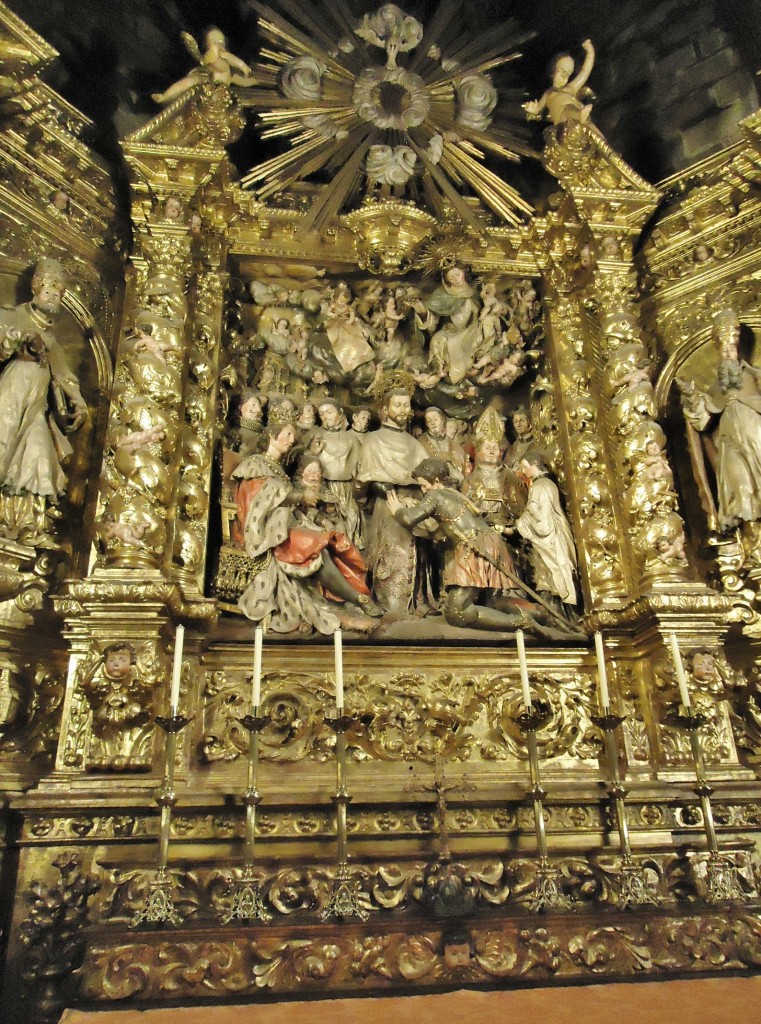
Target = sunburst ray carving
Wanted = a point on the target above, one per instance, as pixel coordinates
(418, 124)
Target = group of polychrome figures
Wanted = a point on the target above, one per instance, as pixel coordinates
(460, 344)
(346, 525)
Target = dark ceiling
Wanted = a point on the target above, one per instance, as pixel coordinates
(672, 77)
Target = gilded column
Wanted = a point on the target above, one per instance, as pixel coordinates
(592, 504)
(191, 523)
(638, 443)
(142, 458)
(153, 509)
(612, 203)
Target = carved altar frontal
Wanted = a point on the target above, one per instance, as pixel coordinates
(378, 545)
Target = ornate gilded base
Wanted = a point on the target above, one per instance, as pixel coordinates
(636, 889)
(246, 902)
(548, 894)
(345, 898)
(159, 905)
(329, 961)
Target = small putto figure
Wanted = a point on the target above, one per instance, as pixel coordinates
(655, 463)
(563, 101)
(216, 64)
(671, 550)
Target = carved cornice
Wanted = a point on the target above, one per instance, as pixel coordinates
(105, 589)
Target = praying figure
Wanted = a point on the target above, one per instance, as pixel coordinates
(544, 525)
(292, 550)
(478, 561)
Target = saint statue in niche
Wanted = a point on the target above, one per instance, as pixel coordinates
(729, 414)
(40, 400)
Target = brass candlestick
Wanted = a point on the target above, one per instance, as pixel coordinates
(635, 890)
(345, 895)
(159, 905)
(547, 892)
(722, 879)
(246, 902)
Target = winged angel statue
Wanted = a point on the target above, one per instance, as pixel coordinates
(216, 64)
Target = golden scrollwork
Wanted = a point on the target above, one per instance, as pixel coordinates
(609, 293)
(208, 968)
(404, 717)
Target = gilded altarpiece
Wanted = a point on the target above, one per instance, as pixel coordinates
(367, 389)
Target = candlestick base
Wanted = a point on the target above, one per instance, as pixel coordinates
(533, 718)
(255, 723)
(684, 718)
(172, 723)
(635, 888)
(547, 893)
(159, 905)
(246, 903)
(723, 881)
(344, 898)
(607, 721)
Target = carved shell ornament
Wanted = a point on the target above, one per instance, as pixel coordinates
(423, 114)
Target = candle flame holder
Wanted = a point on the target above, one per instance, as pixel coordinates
(547, 895)
(722, 876)
(635, 889)
(246, 903)
(159, 905)
(346, 895)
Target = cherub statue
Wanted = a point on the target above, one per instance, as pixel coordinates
(392, 30)
(524, 306)
(145, 342)
(216, 64)
(671, 550)
(118, 687)
(655, 464)
(506, 369)
(563, 99)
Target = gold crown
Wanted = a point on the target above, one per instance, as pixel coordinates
(280, 413)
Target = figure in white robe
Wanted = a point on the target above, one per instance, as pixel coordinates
(736, 399)
(32, 445)
(544, 525)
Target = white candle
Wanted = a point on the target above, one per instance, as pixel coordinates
(174, 696)
(525, 689)
(256, 684)
(681, 678)
(339, 651)
(602, 674)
